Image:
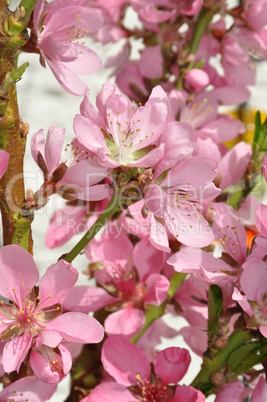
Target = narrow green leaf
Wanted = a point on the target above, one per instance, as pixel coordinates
(215, 305)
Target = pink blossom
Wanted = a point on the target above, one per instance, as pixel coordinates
(197, 79)
(35, 316)
(130, 368)
(73, 173)
(65, 25)
(130, 275)
(261, 219)
(119, 133)
(4, 158)
(28, 389)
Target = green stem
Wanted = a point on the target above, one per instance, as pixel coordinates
(203, 21)
(110, 210)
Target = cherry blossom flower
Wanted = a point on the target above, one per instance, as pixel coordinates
(28, 389)
(34, 316)
(72, 174)
(4, 158)
(119, 133)
(132, 371)
(65, 24)
(129, 277)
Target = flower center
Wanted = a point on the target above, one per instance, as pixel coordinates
(27, 316)
(151, 392)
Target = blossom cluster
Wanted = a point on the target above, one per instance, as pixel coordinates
(163, 182)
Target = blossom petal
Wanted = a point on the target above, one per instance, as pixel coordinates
(123, 360)
(19, 271)
(147, 259)
(86, 299)
(110, 392)
(127, 322)
(53, 147)
(157, 287)
(56, 283)
(77, 327)
(15, 352)
(30, 388)
(171, 364)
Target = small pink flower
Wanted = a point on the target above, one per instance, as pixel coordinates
(65, 24)
(34, 318)
(119, 133)
(130, 368)
(72, 173)
(129, 278)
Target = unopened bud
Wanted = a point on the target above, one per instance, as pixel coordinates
(218, 379)
(19, 13)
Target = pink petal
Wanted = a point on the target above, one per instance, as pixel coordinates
(44, 370)
(196, 339)
(157, 287)
(48, 338)
(30, 388)
(229, 232)
(197, 171)
(77, 327)
(67, 79)
(88, 61)
(153, 117)
(147, 259)
(233, 392)
(127, 322)
(193, 260)
(38, 145)
(151, 62)
(15, 352)
(123, 360)
(19, 271)
(158, 236)
(187, 394)
(53, 147)
(253, 280)
(4, 158)
(261, 219)
(56, 283)
(197, 79)
(110, 392)
(88, 133)
(171, 364)
(86, 299)
(234, 164)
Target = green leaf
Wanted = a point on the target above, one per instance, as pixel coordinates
(215, 305)
(257, 130)
(235, 360)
